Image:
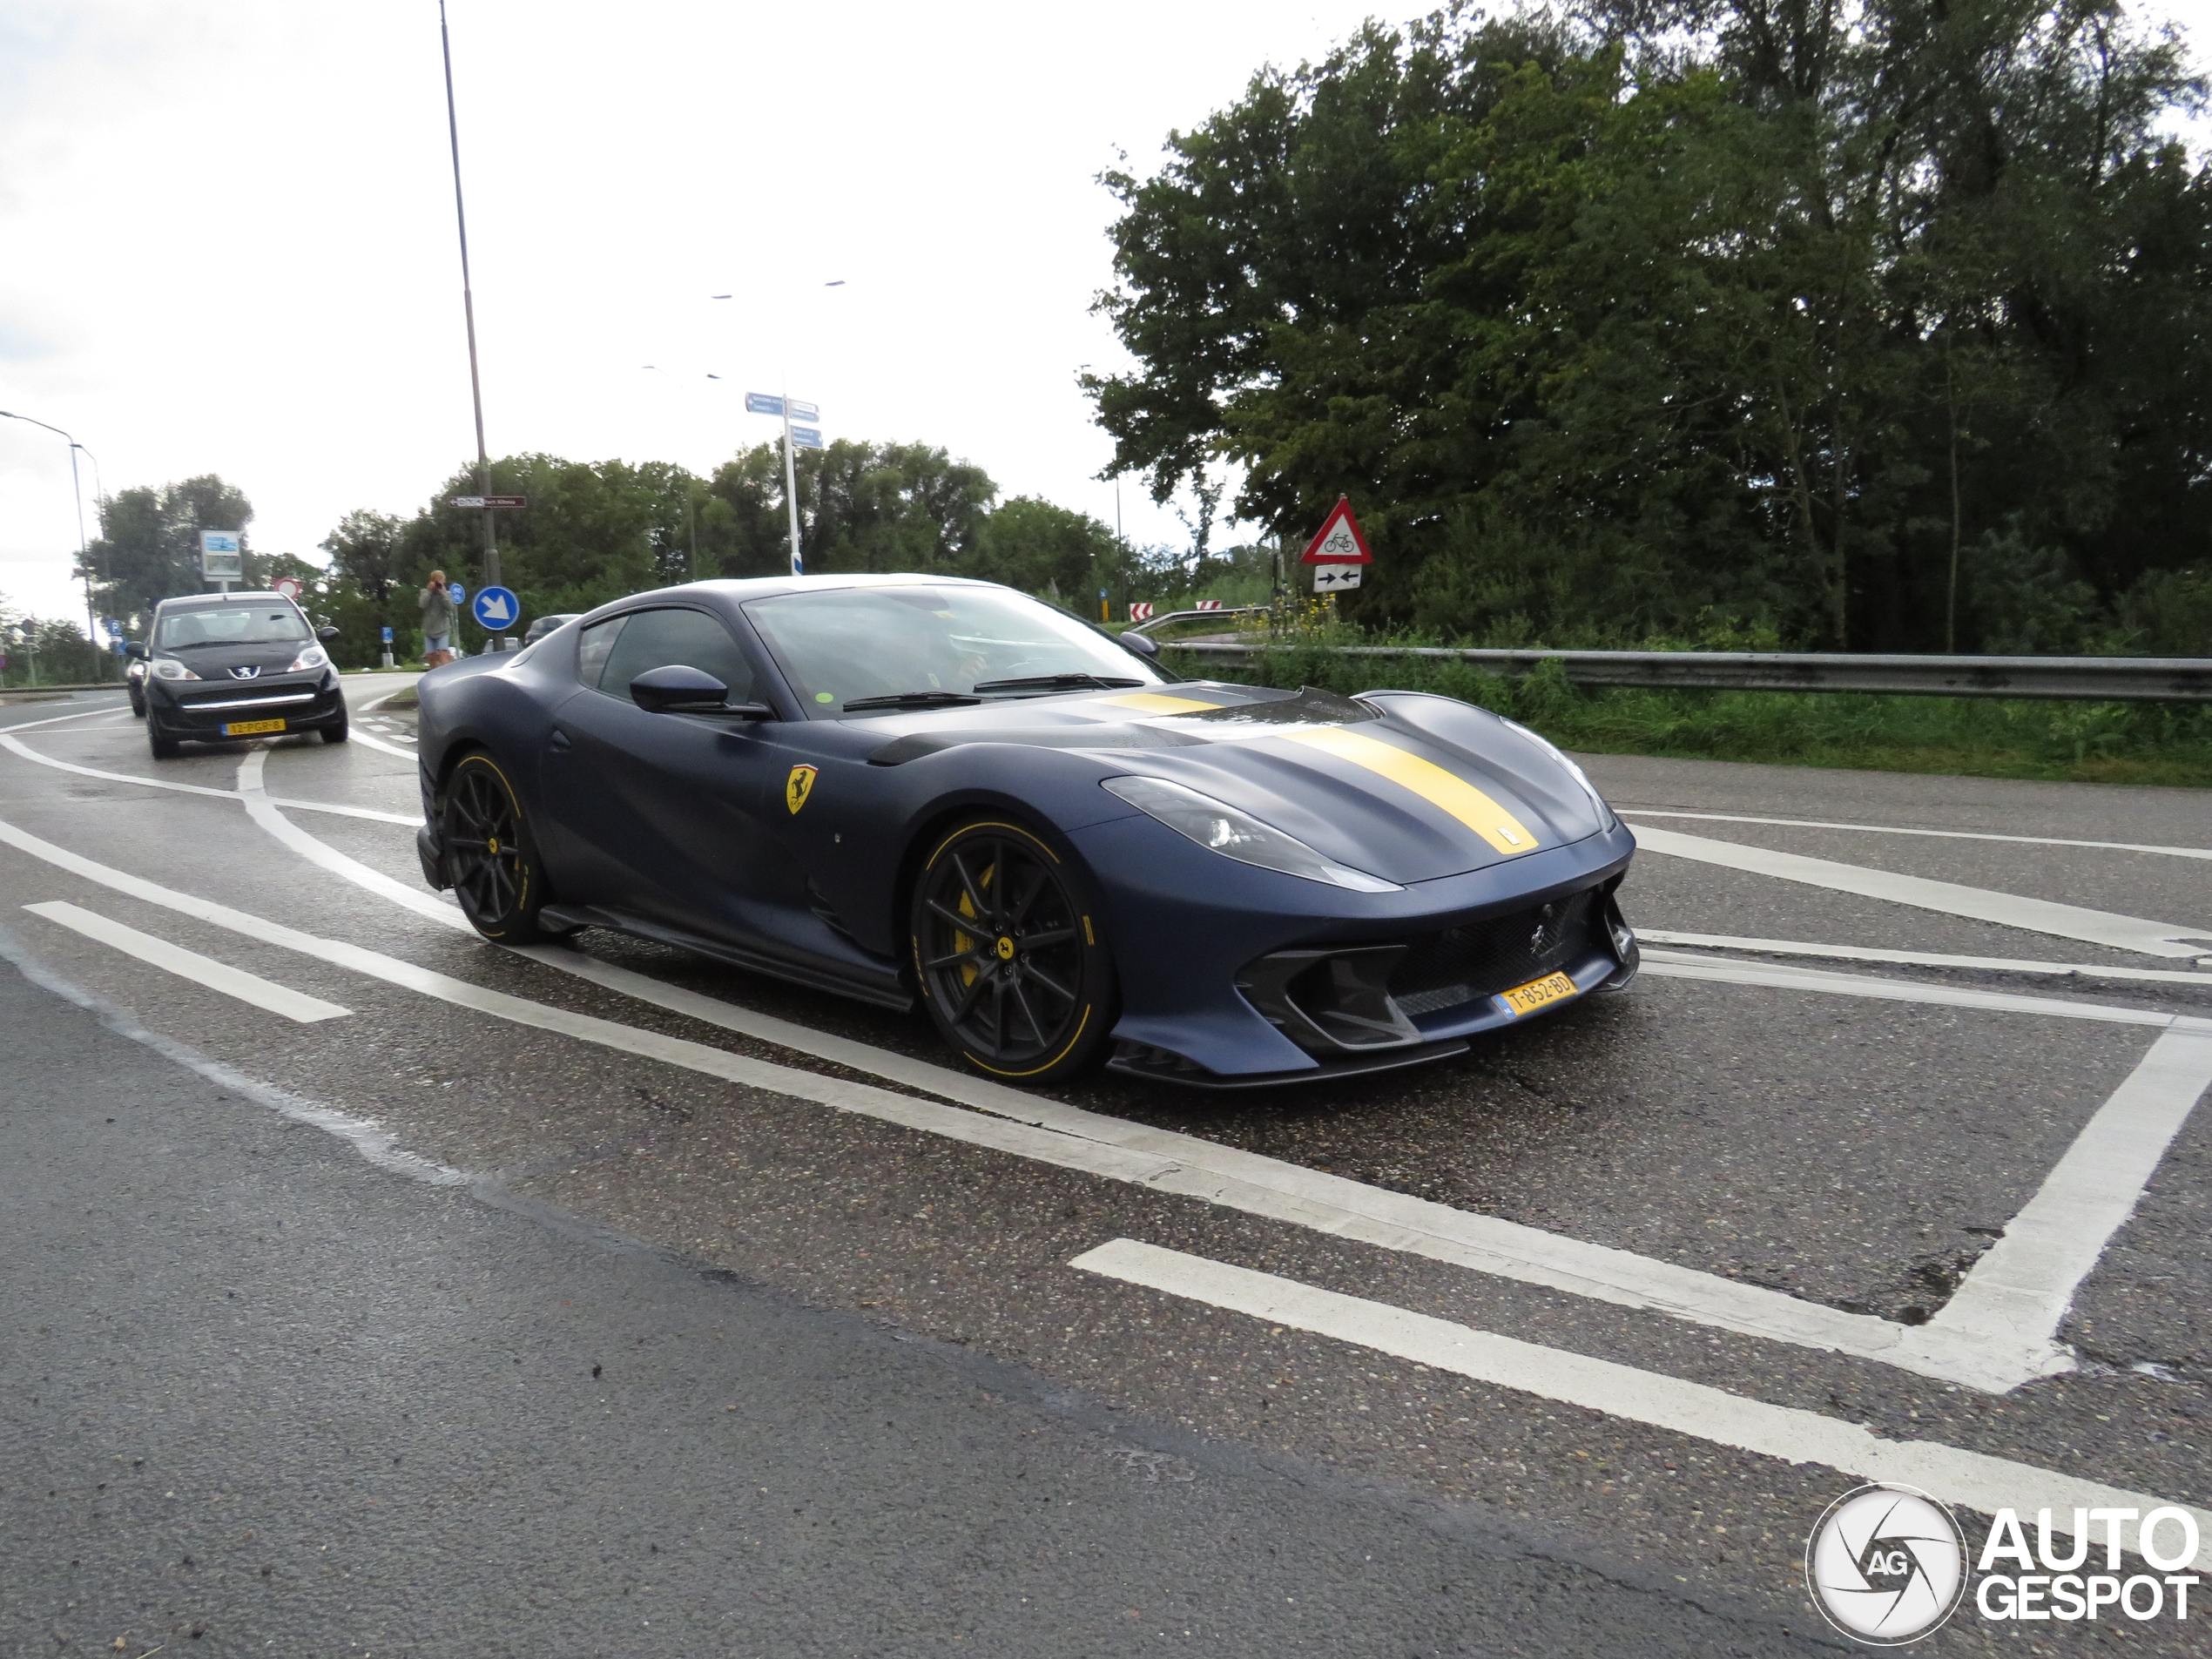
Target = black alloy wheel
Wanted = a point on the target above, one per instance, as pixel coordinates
(1008, 950)
(489, 857)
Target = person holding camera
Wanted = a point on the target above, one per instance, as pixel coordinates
(438, 618)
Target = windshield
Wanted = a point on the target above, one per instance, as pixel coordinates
(230, 625)
(850, 645)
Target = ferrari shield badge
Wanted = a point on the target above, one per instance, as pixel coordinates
(798, 786)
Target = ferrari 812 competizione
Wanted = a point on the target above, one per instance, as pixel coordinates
(911, 787)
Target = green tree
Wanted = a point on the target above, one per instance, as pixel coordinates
(148, 548)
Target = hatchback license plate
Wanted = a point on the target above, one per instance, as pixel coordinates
(1538, 993)
(254, 728)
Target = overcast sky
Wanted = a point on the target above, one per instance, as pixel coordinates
(229, 245)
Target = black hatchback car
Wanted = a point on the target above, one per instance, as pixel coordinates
(225, 666)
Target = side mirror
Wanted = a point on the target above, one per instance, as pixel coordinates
(680, 688)
(134, 648)
(326, 632)
(1140, 645)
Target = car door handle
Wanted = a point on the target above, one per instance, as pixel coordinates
(561, 744)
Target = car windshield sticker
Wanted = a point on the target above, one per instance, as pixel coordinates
(1428, 781)
(798, 786)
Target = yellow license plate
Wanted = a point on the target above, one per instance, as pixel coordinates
(250, 728)
(1538, 993)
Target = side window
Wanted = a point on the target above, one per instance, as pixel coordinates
(657, 638)
(592, 648)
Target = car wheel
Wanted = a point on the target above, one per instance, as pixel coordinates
(164, 748)
(138, 706)
(1007, 951)
(490, 859)
(337, 733)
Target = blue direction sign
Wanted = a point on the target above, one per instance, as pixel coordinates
(806, 437)
(762, 403)
(804, 411)
(457, 593)
(387, 635)
(495, 610)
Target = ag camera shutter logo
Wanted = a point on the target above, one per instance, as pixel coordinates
(1886, 1565)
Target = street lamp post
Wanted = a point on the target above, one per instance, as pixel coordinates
(468, 310)
(76, 498)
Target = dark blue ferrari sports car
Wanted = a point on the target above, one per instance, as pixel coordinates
(902, 786)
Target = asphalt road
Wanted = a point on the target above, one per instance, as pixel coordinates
(328, 1297)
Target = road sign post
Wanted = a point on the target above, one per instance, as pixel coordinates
(222, 557)
(1339, 551)
(495, 611)
(794, 438)
(387, 661)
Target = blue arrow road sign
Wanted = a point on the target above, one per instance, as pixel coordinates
(387, 635)
(496, 609)
(804, 411)
(762, 403)
(806, 437)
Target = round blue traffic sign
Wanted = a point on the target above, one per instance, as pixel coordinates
(496, 610)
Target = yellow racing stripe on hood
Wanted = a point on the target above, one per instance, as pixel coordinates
(1431, 782)
(1155, 703)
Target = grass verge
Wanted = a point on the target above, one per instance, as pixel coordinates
(2104, 743)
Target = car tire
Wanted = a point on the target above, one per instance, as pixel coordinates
(138, 706)
(1009, 953)
(164, 748)
(491, 861)
(337, 733)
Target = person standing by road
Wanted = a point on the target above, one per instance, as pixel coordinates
(438, 616)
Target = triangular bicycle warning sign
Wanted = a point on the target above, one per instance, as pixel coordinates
(1339, 542)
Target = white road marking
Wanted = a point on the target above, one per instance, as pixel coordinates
(1948, 835)
(1922, 958)
(1051, 1132)
(1679, 964)
(81, 714)
(2010, 910)
(2021, 1289)
(191, 965)
(263, 810)
(1970, 1479)
(8, 742)
(361, 736)
(1482, 1242)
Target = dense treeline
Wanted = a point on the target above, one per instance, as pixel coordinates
(1874, 328)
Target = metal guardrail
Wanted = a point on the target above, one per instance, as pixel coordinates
(1151, 623)
(2118, 679)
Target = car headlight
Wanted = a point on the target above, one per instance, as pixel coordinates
(168, 668)
(313, 656)
(1221, 828)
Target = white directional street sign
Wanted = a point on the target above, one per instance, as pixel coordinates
(804, 411)
(1334, 578)
(222, 556)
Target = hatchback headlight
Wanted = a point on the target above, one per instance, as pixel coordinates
(168, 668)
(313, 656)
(1221, 828)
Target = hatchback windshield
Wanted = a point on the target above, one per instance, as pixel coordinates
(849, 645)
(230, 625)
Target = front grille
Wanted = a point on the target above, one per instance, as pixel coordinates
(233, 692)
(1484, 957)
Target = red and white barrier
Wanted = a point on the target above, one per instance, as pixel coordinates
(1140, 612)
(1205, 605)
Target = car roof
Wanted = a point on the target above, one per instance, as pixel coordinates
(739, 590)
(193, 601)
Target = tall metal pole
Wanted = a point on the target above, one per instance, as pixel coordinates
(76, 497)
(790, 489)
(468, 308)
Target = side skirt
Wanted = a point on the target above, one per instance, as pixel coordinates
(885, 992)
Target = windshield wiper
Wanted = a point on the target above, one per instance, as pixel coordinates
(1057, 683)
(910, 700)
